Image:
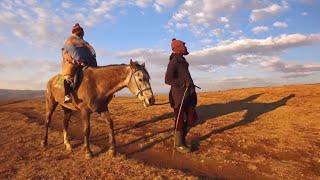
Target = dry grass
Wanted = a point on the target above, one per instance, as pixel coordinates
(264, 133)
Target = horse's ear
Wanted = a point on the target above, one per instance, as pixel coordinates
(132, 64)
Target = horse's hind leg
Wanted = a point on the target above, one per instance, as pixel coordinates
(66, 119)
(85, 116)
(106, 116)
(50, 107)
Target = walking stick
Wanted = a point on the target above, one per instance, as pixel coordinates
(176, 122)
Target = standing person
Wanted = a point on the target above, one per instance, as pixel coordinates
(76, 53)
(179, 78)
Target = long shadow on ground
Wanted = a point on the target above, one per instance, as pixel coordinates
(254, 110)
(207, 112)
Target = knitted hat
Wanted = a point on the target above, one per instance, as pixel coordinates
(76, 28)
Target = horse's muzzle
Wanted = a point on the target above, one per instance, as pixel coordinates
(148, 101)
(151, 100)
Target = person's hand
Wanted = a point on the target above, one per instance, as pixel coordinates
(188, 84)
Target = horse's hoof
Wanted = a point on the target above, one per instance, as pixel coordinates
(89, 155)
(69, 147)
(44, 143)
(112, 152)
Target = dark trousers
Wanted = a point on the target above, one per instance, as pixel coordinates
(67, 87)
(187, 118)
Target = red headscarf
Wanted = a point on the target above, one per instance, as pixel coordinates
(179, 47)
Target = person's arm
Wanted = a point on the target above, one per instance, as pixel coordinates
(170, 79)
(188, 80)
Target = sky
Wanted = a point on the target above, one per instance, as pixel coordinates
(232, 43)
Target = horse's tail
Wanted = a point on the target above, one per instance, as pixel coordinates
(49, 93)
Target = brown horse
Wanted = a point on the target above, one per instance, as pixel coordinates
(94, 94)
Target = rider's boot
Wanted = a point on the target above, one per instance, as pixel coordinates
(67, 90)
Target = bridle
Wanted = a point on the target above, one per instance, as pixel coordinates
(140, 91)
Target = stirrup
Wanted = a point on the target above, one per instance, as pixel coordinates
(67, 98)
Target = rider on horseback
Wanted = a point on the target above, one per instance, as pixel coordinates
(76, 53)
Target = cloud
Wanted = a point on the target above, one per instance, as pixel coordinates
(205, 67)
(33, 74)
(2, 38)
(161, 5)
(200, 15)
(224, 20)
(269, 11)
(276, 64)
(153, 56)
(43, 66)
(298, 75)
(181, 25)
(27, 84)
(290, 68)
(206, 41)
(66, 4)
(44, 23)
(259, 29)
(304, 14)
(218, 32)
(143, 3)
(235, 82)
(310, 2)
(225, 54)
(241, 51)
(279, 24)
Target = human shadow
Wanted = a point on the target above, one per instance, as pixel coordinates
(254, 110)
(210, 111)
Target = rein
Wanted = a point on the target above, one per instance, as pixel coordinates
(140, 91)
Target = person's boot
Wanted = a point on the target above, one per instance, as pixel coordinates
(179, 145)
(185, 131)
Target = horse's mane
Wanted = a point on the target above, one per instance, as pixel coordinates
(111, 65)
(115, 65)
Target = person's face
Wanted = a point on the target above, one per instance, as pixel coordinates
(185, 49)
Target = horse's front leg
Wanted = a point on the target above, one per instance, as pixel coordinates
(85, 116)
(112, 150)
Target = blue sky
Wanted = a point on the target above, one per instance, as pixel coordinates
(233, 43)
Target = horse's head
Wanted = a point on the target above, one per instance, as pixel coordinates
(139, 83)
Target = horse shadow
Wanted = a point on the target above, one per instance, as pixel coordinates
(145, 122)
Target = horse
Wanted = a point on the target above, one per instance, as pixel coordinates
(94, 93)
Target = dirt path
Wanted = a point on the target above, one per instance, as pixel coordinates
(263, 133)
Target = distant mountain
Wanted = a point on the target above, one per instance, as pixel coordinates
(8, 94)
